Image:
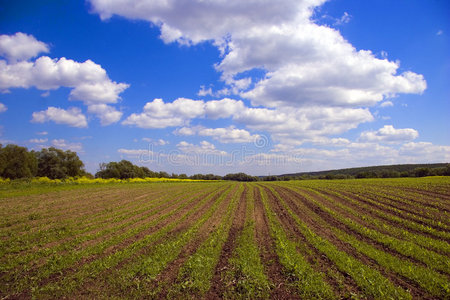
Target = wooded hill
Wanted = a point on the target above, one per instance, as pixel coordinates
(404, 170)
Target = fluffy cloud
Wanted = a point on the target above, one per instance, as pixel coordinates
(223, 108)
(303, 61)
(223, 135)
(38, 141)
(204, 148)
(88, 81)
(160, 114)
(159, 142)
(157, 114)
(3, 108)
(107, 114)
(386, 104)
(20, 46)
(388, 134)
(65, 145)
(295, 125)
(425, 151)
(72, 117)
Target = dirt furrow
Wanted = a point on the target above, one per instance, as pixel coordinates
(301, 205)
(217, 287)
(275, 272)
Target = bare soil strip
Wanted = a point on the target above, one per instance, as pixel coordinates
(275, 272)
(217, 286)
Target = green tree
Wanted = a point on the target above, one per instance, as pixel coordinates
(58, 164)
(123, 169)
(17, 162)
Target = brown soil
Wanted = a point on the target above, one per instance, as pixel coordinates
(168, 277)
(217, 285)
(139, 236)
(281, 288)
(371, 213)
(324, 231)
(417, 210)
(316, 259)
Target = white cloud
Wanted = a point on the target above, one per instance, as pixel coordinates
(38, 141)
(65, 145)
(3, 107)
(205, 147)
(344, 19)
(20, 46)
(204, 92)
(88, 80)
(157, 114)
(160, 114)
(440, 32)
(302, 63)
(72, 117)
(223, 135)
(186, 130)
(135, 152)
(388, 134)
(386, 104)
(294, 126)
(42, 133)
(223, 108)
(159, 142)
(107, 114)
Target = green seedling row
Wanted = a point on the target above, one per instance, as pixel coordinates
(371, 281)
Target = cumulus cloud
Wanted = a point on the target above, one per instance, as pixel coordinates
(303, 61)
(160, 114)
(87, 80)
(204, 147)
(223, 135)
(21, 46)
(296, 125)
(3, 108)
(71, 117)
(107, 114)
(388, 134)
(65, 145)
(38, 141)
(386, 104)
(284, 124)
(159, 142)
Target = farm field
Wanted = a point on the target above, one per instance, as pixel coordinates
(311, 239)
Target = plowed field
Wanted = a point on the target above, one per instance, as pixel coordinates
(378, 238)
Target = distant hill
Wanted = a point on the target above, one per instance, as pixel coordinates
(373, 169)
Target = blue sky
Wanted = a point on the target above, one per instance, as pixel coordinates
(220, 87)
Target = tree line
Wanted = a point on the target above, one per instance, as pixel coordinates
(17, 162)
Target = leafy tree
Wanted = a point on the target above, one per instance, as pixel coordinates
(240, 177)
(58, 164)
(17, 162)
(124, 169)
